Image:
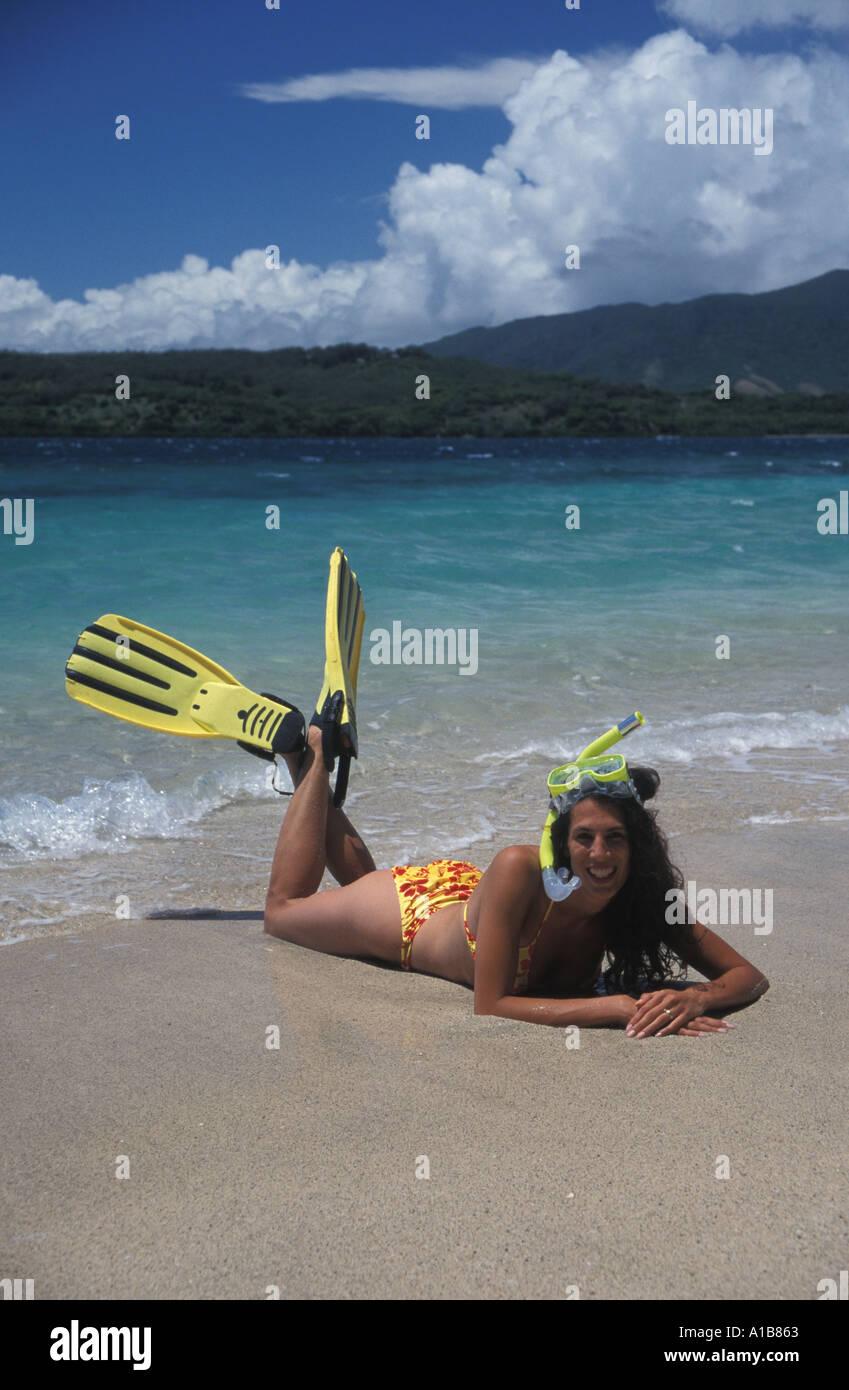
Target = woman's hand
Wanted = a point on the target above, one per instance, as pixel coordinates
(625, 1006)
(667, 1011)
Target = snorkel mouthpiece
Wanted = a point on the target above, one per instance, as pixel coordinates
(558, 883)
(589, 774)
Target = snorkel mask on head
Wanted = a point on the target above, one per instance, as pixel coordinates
(591, 774)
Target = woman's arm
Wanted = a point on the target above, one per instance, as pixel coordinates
(733, 981)
(613, 1010)
(509, 888)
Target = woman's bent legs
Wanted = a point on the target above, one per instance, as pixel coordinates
(315, 834)
(361, 918)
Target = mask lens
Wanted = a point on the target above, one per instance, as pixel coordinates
(561, 778)
(605, 767)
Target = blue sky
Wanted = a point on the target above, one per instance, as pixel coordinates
(215, 174)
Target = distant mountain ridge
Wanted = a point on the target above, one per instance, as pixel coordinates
(794, 339)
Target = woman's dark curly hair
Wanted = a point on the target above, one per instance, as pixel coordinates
(642, 947)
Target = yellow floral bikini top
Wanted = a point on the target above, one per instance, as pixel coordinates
(526, 953)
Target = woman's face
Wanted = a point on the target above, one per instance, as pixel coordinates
(598, 848)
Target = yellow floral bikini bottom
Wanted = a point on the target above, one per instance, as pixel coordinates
(424, 889)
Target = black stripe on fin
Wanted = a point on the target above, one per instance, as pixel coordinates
(270, 735)
(275, 714)
(257, 717)
(105, 689)
(142, 650)
(353, 633)
(243, 716)
(124, 667)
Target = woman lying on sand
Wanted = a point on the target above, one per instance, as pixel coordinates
(497, 931)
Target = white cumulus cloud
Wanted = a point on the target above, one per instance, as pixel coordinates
(449, 88)
(586, 163)
(727, 17)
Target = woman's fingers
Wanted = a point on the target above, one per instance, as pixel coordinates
(649, 1006)
(661, 1013)
(660, 1025)
(650, 1025)
(654, 1015)
(711, 1025)
(703, 1027)
(647, 1002)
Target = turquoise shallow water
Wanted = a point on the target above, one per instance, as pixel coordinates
(680, 543)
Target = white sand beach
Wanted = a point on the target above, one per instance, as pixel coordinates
(553, 1169)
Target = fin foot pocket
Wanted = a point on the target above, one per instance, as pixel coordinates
(332, 745)
(289, 732)
(327, 719)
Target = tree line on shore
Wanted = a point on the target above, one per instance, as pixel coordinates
(353, 390)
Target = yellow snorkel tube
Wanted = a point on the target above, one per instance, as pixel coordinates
(590, 772)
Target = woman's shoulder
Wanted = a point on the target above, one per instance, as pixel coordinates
(516, 866)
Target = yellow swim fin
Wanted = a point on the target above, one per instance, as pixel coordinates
(138, 674)
(335, 712)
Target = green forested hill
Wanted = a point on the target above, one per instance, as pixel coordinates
(793, 339)
(355, 390)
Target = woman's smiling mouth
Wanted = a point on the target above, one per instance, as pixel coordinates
(601, 876)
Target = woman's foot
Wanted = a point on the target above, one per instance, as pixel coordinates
(300, 762)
